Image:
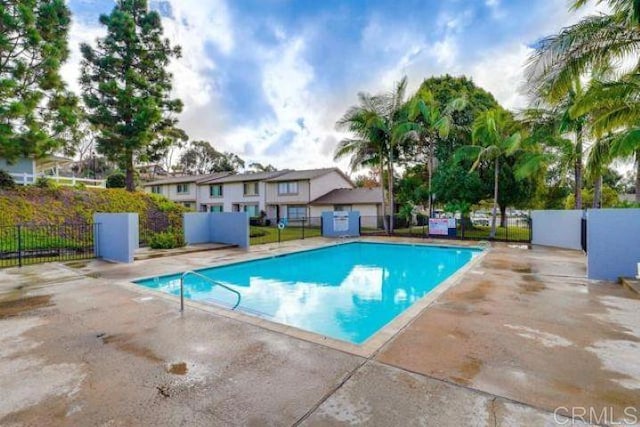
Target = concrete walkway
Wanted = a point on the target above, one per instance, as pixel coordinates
(520, 336)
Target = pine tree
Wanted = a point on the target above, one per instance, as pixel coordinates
(35, 108)
(126, 86)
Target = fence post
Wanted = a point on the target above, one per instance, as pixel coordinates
(303, 221)
(506, 228)
(278, 227)
(19, 246)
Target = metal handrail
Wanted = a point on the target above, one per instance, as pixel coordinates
(186, 273)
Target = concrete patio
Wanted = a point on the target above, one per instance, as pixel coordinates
(522, 339)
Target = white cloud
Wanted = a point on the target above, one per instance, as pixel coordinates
(500, 72)
(78, 33)
(289, 81)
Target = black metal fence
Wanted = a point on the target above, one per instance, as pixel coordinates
(32, 244)
(272, 230)
(508, 229)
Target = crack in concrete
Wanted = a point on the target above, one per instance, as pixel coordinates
(492, 409)
(330, 393)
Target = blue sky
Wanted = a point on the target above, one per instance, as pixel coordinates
(268, 79)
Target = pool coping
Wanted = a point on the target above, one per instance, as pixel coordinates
(367, 349)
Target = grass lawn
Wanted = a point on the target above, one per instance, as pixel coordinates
(262, 235)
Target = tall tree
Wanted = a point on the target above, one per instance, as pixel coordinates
(367, 146)
(577, 50)
(201, 158)
(594, 43)
(259, 167)
(126, 85)
(615, 108)
(35, 108)
(556, 126)
(494, 138)
(431, 123)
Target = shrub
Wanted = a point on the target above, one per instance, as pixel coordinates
(166, 240)
(44, 182)
(116, 180)
(6, 180)
(256, 232)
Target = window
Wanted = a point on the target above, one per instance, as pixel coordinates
(288, 187)
(296, 212)
(251, 188)
(252, 210)
(215, 190)
(187, 205)
(215, 208)
(155, 189)
(342, 208)
(182, 188)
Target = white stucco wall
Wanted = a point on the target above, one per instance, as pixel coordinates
(368, 212)
(302, 198)
(557, 228)
(326, 183)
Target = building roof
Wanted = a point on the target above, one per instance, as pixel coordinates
(307, 174)
(186, 178)
(350, 196)
(242, 177)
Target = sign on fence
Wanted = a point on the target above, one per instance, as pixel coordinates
(439, 226)
(340, 221)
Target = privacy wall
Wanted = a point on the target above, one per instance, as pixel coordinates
(116, 236)
(341, 224)
(613, 243)
(561, 229)
(217, 227)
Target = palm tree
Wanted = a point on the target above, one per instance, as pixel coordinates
(615, 107)
(594, 42)
(591, 45)
(563, 132)
(428, 123)
(379, 125)
(395, 126)
(493, 139)
(369, 146)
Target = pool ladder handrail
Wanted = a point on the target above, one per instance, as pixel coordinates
(186, 273)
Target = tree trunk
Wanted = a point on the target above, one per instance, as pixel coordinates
(430, 172)
(129, 176)
(494, 213)
(390, 191)
(638, 176)
(597, 193)
(385, 224)
(503, 216)
(578, 169)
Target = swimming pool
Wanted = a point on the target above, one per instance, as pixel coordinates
(347, 291)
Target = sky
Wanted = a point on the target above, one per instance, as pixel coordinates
(268, 79)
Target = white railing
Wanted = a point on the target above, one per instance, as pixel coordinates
(30, 179)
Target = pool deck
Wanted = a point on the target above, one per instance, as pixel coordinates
(521, 338)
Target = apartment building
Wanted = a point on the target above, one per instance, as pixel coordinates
(245, 192)
(181, 189)
(281, 194)
(289, 195)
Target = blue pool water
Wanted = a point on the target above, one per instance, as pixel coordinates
(347, 292)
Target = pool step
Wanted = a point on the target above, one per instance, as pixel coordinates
(146, 253)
